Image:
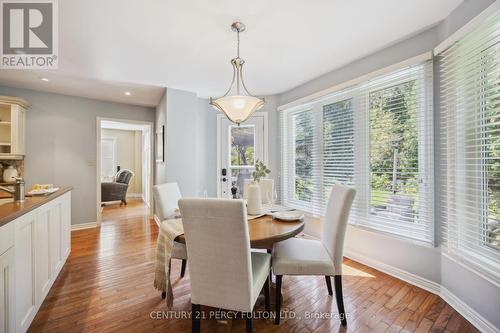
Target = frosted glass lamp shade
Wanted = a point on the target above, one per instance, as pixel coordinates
(237, 108)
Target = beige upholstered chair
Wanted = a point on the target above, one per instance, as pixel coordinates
(223, 272)
(165, 198)
(297, 256)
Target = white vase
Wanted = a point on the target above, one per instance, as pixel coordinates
(254, 201)
(9, 174)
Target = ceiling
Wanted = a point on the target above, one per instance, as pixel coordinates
(137, 94)
(188, 44)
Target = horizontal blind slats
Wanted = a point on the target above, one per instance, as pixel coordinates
(469, 158)
(328, 142)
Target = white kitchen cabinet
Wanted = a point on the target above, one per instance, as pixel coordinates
(7, 288)
(55, 239)
(41, 258)
(39, 246)
(65, 227)
(13, 127)
(24, 270)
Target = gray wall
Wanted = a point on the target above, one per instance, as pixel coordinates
(61, 143)
(181, 140)
(273, 138)
(207, 143)
(160, 169)
(206, 147)
(190, 147)
(426, 262)
(191, 142)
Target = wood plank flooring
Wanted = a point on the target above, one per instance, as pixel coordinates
(107, 286)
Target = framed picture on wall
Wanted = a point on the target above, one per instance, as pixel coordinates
(160, 145)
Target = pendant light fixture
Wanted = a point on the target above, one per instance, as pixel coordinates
(237, 103)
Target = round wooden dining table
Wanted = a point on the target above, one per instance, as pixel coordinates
(265, 231)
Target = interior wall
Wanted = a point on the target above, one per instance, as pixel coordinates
(191, 137)
(206, 147)
(471, 288)
(190, 143)
(181, 141)
(160, 168)
(207, 143)
(128, 155)
(61, 143)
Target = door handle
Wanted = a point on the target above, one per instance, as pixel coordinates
(224, 179)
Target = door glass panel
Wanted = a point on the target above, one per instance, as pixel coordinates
(242, 155)
(238, 176)
(243, 145)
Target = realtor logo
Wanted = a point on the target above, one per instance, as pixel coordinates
(29, 34)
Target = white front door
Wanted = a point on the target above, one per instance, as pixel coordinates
(239, 148)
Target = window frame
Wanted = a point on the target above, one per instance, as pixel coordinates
(359, 94)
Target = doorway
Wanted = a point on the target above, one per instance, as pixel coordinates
(238, 149)
(124, 166)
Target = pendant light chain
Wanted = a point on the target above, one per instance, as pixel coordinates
(238, 48)
(238, 59)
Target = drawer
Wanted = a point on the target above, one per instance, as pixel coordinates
(6, 236)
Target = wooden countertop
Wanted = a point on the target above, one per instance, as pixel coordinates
(12, 210)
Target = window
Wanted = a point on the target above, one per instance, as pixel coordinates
(108, 159)
(338, 144)
(375, 136)
(470, 148)
(301, 157)
(303, 129)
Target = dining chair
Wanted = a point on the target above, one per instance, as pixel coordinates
(166, 197)
(297, 256)
(224, 273)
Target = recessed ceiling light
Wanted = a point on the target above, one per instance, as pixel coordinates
(44, 79)
(128, 93)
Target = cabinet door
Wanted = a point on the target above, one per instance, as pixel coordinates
(66, 225)
(18, 130)
(24, 272)
(42, 261)
(7, 319)
(55, 238)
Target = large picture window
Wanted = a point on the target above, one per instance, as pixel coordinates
(470, 148)
(375, 136)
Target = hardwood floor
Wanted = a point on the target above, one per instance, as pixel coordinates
(107, 286)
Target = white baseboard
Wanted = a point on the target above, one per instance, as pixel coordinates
(461, 307)
(411, 278)
(82, 226)
(467, 312)
(157, 220)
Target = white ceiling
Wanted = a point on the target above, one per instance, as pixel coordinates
(82, 86)
(188, 44)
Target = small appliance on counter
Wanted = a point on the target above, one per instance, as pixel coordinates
(10, 174)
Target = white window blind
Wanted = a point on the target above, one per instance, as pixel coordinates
(375, 136)
(470, 147)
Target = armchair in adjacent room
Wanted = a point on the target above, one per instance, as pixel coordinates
(117, 190)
